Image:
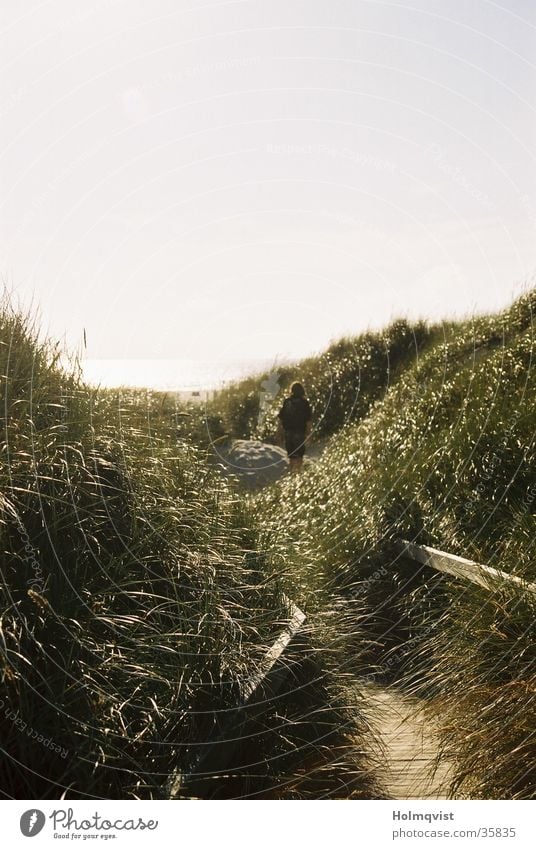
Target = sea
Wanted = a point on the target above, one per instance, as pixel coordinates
(189, 379)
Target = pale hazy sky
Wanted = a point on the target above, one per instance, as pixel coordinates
(239, 180)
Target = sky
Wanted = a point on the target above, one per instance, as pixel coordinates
(201, 187)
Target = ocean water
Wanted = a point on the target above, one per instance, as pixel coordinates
(177, 375)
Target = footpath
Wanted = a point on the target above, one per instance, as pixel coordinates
(408, 756)
(408, 740)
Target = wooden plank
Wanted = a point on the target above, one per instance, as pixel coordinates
(274, 653)
(460, 567)
(409, 745)
(272, 672)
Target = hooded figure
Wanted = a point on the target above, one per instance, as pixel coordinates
(295, 421)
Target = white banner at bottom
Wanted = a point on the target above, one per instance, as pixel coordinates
(266, 824)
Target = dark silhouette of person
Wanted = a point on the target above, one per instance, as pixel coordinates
(295, 423)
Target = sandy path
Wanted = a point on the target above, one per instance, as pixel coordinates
(410, 744)
(256, 464)
(408, 739)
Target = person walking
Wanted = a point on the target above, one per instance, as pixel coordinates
(295, 424)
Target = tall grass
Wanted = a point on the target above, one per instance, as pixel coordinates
(135, 603)
(445, 458)
(342, 383)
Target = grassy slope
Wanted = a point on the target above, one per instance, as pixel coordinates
(134, 603)
(446, 458)
(342, 384)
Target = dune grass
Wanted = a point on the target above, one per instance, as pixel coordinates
(135, 603)
(140, 591)
(445, 458)
(343, 382)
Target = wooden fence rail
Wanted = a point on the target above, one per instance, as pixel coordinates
(459, 567)
(265, 682)
(272, 671)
